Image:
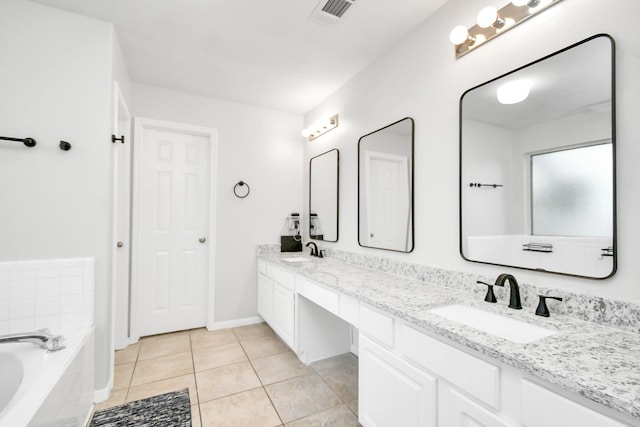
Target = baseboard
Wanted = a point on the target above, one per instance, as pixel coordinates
(104, 393)
(235, 323)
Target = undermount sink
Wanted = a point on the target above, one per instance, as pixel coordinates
(296, 259)
(494, 324)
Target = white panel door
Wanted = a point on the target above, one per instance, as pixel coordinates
(173, 228)
(265, 298)
(392, 392)
(387, 200)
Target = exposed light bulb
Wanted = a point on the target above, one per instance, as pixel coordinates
(514, 92)
(459, 35)
(306, 132)
(487, 17)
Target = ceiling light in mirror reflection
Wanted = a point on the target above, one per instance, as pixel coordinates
(320, 127)
(514, 92)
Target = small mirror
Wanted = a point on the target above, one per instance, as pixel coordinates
(537, 165)
(323, 196)
(385, 187)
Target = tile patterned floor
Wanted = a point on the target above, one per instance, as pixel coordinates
(239, 377)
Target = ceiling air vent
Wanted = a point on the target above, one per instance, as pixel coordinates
(337, 8)
(330, 11)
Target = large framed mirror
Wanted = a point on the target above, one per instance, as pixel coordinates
(385, 187)
(537, 165)
(324, 176)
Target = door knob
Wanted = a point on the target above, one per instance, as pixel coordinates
(119, 244)
(202, 239)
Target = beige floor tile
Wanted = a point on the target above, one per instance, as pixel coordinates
(164, 346)
(201, 338)
(263, 347)
(127, 355)
(161, 368)
(251, 332)
(301, 396)
(219, 382)
(116, 398)
(279, 367)
(343, 380)
(338, 416)
(150, 338)
(347, 359)
(248, 409)
(353, 405)
(195, 416)
(155, 388)
(122, 375)
(215, 357)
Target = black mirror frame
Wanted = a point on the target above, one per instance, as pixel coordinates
(411, 199)
(614, 146)
(337, 195)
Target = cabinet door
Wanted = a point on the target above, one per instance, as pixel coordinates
(457, 410)
(265, 298)
(284, 314)
(393, 393)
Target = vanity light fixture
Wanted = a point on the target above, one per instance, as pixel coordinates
(492, 22)
(321, 127)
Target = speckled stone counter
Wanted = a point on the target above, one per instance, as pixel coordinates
(598, 362)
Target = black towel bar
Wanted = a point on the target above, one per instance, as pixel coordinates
(29, 142)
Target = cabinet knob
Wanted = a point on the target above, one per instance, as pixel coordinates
(119, 244)
(202, 239)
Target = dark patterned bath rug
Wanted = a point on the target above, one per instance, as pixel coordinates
(165, 410)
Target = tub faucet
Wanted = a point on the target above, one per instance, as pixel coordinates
(42, 338)
(514, 290)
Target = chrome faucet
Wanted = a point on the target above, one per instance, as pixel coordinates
(314, 249)
(42, 338)
(514, 289)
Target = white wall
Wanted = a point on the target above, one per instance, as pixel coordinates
(259, 146)
(55, 84)
(421, 78)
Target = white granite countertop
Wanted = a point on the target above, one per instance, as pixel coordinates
(598, 362)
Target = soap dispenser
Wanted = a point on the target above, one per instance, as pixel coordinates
(290, 237)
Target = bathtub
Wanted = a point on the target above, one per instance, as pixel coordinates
(46, 389)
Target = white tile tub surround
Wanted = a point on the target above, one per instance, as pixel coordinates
(57, 294)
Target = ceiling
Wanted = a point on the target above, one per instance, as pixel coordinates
(262, 53)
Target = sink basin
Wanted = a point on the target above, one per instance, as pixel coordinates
(494, 324)
(296, 259)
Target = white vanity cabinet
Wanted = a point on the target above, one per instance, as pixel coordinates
(276, 300)
(411, 378)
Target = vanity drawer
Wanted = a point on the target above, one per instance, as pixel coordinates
(542, 408)
(286, 279)
(377, 325)
(262, 267)
(477, 377)
(325, 298)
(350, 310)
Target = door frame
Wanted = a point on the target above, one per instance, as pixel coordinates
(140, 125)
(120, 112)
